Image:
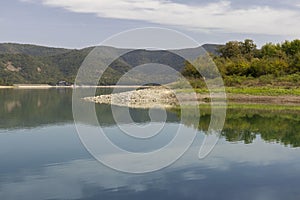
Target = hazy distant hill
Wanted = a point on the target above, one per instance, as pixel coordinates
(212, 48)
(28, 49)
(23, 63)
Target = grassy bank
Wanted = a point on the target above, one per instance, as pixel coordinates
(268, 91)
(256, 107)
(257, 90)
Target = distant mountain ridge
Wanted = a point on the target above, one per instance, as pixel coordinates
(29, 49)
(26, 63)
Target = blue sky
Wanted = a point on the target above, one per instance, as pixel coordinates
(81, 23)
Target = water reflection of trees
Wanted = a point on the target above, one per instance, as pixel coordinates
(33, 108)
(273, 127)
(245, 124)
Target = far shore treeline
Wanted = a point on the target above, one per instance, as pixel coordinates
(240, 63)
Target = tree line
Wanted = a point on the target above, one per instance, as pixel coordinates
(239, 61)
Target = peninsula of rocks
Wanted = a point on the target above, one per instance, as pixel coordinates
(143, 98)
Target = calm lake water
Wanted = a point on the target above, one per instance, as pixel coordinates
(41, 156)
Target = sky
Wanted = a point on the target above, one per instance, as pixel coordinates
(82, 23)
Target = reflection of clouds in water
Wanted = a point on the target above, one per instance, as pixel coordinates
(41, 189)
(225, 155)
(192, 175)
(258, 153)
(68, 180)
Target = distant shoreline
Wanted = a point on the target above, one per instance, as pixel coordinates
(203, 98)
(84, 86)
(163, 97)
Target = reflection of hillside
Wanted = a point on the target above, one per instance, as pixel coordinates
(30, 108)
(106, 118)
(33, 108)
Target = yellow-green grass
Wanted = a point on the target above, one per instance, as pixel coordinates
(260, 91)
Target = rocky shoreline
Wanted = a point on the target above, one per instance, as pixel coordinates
(142, 98)
(167, 98)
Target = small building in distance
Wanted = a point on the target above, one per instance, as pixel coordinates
(63, 83)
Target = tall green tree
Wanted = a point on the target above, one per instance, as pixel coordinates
(248, 47)
(230, 50)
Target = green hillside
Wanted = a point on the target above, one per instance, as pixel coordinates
(240, 63)
(28, 49)
(35, 64)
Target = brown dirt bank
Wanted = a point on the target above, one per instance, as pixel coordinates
(280, 100)
(255, 99)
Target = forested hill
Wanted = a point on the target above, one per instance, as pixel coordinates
(28, 49)
(239, 62)
(23, 63)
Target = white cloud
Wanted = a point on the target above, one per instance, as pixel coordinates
(220, 16)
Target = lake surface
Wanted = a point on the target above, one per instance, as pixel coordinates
(42, 157)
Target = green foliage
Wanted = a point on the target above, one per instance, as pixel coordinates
(206, 67)
(264, 90)
(234, 80)
(238, 66)
(28, 70)
(291, 47)
(241, 63)
(272, 50)
(190, 71)
(231, 49)
(247, 47)
(295, 63)
(50, 65)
